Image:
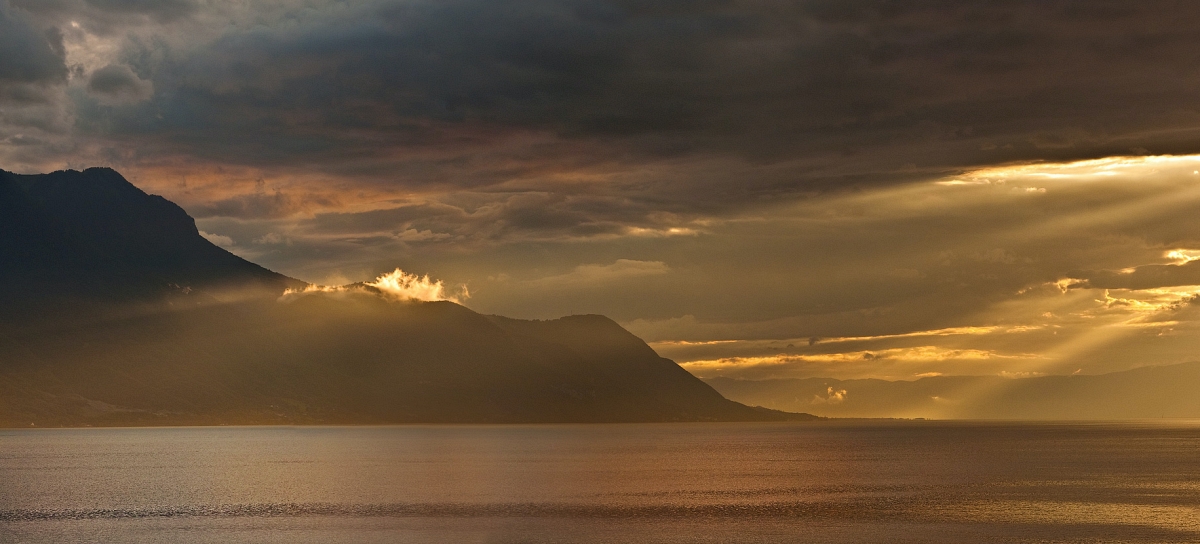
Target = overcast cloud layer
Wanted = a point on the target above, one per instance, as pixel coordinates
(762, 174)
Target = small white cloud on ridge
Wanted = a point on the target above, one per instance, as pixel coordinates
(396, 285)
(832, 396)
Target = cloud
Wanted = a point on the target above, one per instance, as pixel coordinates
(414, 235)
(29, 55)
(112, 17)
(35, 117)
(468, 93)
(272, 238)
(159, 10)
(1020, 375)
(397, 285)
(220, 240)
(700, 110)
(469, 218)
(594, 274)
(831, 397)
(117, 84)
(264, 205)
(1148, 276)
(403, 286)
(890, 362)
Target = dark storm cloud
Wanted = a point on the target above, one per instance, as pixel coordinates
(804, 95)
(107, 17)
(440, 94)
(34, 119)
(161, 10)
(117, 83)
(871, 86)
(29, 55)
(112, 79)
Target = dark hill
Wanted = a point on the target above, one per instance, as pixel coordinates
(81, 248)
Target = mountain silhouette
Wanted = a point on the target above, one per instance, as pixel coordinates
(91, 241)
(116, 311)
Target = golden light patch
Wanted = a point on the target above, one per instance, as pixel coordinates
(1085, 169)
(910, 355)
(1182, 256)
(396, 285)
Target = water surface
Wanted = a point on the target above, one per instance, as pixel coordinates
(791, 482)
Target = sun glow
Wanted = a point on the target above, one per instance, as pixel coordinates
(1067, 220)
(1092, 168)
(1182, 256)
(918, 354)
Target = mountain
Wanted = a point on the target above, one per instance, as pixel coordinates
(85, 242)
(1142, 393)
(117, 312)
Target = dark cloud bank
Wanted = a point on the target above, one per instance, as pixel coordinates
(849, 91)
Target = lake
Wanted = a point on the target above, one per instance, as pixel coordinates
(834, 481)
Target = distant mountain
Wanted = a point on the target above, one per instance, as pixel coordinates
(1150, 392)
(115, 311)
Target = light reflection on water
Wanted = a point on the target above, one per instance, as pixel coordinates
(806, 482)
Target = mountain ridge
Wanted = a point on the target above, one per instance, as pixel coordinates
(85, 241)
(117, 312)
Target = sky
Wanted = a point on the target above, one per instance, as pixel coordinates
(759, 189)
